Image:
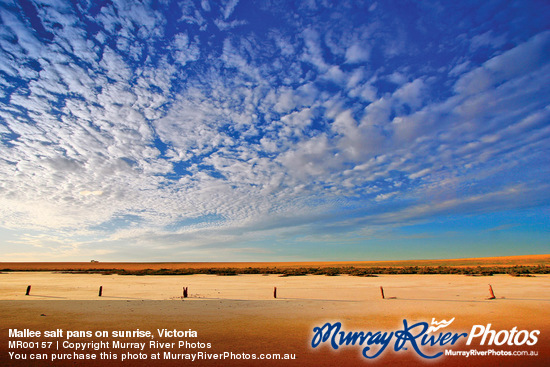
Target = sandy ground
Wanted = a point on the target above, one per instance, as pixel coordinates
(239, 314)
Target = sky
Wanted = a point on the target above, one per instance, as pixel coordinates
(273, 130)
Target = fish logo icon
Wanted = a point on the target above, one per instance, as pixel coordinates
(439, 325)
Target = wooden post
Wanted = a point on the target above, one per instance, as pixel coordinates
(274, 292)
(100, 291)
(491, 292)
(185, 292)
(382, 292)
(28, 291)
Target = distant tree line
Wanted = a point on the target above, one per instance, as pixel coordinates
(330, 271)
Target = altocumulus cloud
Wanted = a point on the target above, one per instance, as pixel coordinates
(185, 130)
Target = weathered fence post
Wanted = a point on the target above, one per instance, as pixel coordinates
(274, 292)
(100, 291)
(28, 291)
(491, 292)
(382, 292)
(185, 292)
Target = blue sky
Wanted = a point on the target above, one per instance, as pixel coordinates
(273, 130)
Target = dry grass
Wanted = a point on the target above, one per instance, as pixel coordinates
(506, 261)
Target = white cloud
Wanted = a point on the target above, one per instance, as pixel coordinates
(523, 58)
(229, 8)
(357, 53)
(382, 197)
(487, 39)
(224, 26)
(313, 51)
(87, 193)
(411, 93)
(184, 50)
(205, 4)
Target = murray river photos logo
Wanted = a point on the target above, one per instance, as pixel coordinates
(417, 336)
